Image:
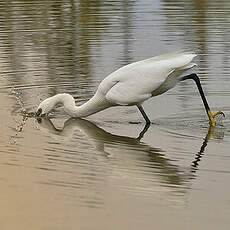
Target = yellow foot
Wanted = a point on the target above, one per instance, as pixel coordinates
(212, 116)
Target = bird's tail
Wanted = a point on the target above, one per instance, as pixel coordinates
(188, 66)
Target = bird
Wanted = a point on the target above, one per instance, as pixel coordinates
(133, 84)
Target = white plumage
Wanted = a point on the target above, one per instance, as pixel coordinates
(129, 85)
(137, 82)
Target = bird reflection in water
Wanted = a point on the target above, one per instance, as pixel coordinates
(170, 173)
(217, 133)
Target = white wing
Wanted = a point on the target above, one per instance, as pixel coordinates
(136, 82)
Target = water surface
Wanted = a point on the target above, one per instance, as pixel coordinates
(64, 173)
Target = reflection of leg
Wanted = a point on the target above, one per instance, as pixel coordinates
(207, 108)
(199, 155)
(143, 131)
(144, 114)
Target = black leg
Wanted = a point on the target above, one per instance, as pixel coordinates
(143, 131)
(207, 108)
(144, 114)
(197, 81)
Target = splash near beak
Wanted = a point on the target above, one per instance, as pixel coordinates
(212, 117)
(39, 112)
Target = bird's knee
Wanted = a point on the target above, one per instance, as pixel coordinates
(192, 76)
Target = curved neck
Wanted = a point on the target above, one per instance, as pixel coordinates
(94, 105)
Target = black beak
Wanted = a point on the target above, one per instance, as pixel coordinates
(222, 114)
(39, 112)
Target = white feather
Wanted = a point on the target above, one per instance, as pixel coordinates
(129, 85)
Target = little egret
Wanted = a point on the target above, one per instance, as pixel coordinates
(132, 85)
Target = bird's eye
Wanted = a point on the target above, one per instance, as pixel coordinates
(39, 120)
(39, 112)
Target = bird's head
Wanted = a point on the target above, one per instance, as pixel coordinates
(45, 107)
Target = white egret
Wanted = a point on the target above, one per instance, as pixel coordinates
(132, 85)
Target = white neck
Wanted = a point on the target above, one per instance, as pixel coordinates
(94, 105)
